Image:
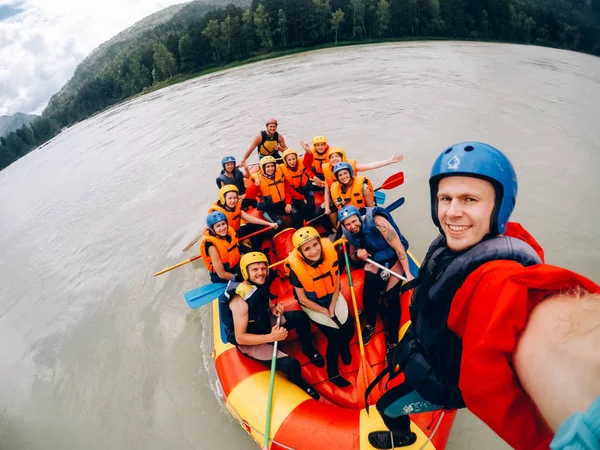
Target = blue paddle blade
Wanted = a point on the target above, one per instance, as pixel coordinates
(380, 198)
(395, 205)
(204, 294)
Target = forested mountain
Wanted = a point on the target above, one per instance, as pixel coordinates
(183, 40)
(17, 120)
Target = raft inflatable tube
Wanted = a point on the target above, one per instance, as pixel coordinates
(338, 420)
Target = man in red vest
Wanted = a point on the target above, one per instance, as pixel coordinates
(494, 328)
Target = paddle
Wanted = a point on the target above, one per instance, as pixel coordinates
(196, 239)
(177, 265)
(393, 181)
(365, 373)
(243, 238)
(315, 219)
(380, 198)
(204, 294)
(386, 269)
(395, 204)
(270, 397)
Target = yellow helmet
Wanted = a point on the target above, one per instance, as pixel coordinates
(339, 151)
(303, 235)
(266, 160)
(287, 152)
(225, 189)
(251, 258)
(319, 140)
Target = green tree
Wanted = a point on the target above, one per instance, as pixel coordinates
(134, 75)
(213, 33)
(230, 28)
(384, 17)
(15, 144)
(172, 45)
(262, 21)
(248, 35)
(282, 27)
(358, 19)
(26, 135)
(322, 9)
(7, 157)
(164, 63)
(336, 19)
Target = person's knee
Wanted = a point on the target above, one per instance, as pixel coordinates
(372, 283)
(289, 366)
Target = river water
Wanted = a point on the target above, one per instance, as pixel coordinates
(96, 353)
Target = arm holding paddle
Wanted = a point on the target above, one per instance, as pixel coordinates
(255, 142)
(392, 238)
(239, 309)
(326, 199)
(251, 219)
(369, 196)
(396, 158)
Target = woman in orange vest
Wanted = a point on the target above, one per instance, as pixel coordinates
(298, 173)
(337, 155)
(320, 151)
(314, 274)
(229, 204)
(350, 189)
(275, 193)
(219, 249)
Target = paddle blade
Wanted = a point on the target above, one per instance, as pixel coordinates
(363, 380)
(204, 294)
(168, 269)
(394, 181)
(380, 198)
(395, 205)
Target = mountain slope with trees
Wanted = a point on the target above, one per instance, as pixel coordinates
(200, 36)
(11, 123)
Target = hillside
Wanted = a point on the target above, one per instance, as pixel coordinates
(11, 123)
(98, 60)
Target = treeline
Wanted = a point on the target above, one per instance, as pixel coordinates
(195, 40)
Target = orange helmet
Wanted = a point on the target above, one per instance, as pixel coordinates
(271, 120)
(319, 140)
(339, 151)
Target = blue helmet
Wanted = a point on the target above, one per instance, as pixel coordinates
(348, 211)
(227, 159)
(479, 160)
(215, 217)
(343, 166)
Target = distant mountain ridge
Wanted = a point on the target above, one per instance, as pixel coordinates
(102, 56)
(93, 63)
(12, 123)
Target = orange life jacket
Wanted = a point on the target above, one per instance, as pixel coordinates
(319, 281)
(298, 178)
(320, 159)
(272, 188)
(328, 171)
(229, 252)
(354, 194)
(233, 217)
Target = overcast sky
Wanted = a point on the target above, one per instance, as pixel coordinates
(43, 41)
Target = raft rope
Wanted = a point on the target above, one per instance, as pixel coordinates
(239, 418)
(437, 425)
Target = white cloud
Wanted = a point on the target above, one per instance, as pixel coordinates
(41, 47)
